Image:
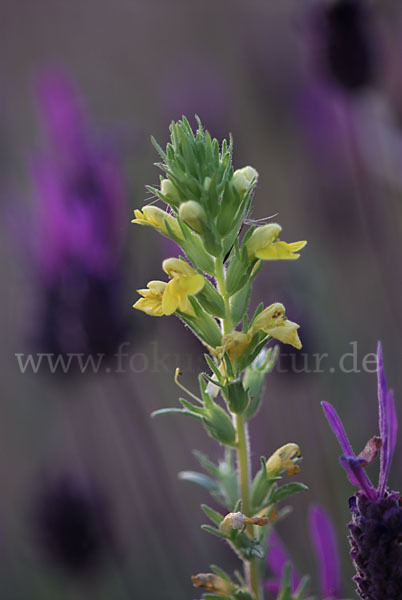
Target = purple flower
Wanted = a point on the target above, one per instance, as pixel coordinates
(79, 226)
(72, 523)
(376, 527)
(326, 550)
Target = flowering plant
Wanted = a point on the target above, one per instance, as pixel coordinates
(208, 289)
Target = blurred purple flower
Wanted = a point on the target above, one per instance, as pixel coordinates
(326, 550)
(347, 49)
(376, 527)
(79, 226)
(277, 559)
(72, 524)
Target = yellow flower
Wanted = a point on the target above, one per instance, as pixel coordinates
(151, 303)
(213, 583)
(284, 459)
(157, 218)
(234, 344)
(184, 282)
(273, 322)
(264, 243)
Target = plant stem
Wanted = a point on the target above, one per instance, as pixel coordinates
(242, 447)
(244, 484)
(227, 323)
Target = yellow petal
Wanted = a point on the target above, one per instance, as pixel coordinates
(193, 284)
(286, 333)
(269, 317)
(170, 298)
(176, 267)
(280, 251)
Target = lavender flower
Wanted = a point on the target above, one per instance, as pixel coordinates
(348, 45)
(326, 550)
(72, 524)
(376, 527)
(79, 212)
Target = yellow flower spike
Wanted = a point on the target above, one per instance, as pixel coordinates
(156, 217)
(213, 583)
(284, 459)
(151, 303)
(273, 322)
(234, 344)
(185, 282)
(264, 243)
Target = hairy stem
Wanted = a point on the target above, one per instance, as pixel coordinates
(242, 447)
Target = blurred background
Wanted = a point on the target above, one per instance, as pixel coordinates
(90, 504)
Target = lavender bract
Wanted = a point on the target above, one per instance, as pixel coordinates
(376, 526)
(325, 547)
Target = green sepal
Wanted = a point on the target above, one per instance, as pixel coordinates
(239, 302)
(251, 352)
(219, 424)
(211, 300)
(191, 407)
(203, 325)
(199, 479)
(259, 488)
(213, 368)
(254, 378)
(288, 490)
(236, 397)
(221, 573)
(249, 548)
(239, 270)
(216, 597)
(192, 247)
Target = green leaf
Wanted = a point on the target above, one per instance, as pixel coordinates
(212, 514)
(221, 573)
(200, 479)
(207, 464)
(175, 411)
(214, 531)
(288, 490)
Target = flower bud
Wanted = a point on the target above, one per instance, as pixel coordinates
(213, 583)
(169, 190)
(193, 214)
(284, 459)
(236, 396)
(243, 178)
(262, 237)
